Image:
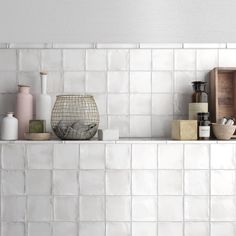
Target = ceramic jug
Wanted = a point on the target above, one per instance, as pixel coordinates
(43, 103)
(24, 109)
(9, 127)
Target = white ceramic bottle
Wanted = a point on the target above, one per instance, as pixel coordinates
(44, 103)
(9, 128)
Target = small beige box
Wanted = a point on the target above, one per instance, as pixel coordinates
(184, 130)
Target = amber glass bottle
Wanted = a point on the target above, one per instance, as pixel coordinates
(200, 94)
(199, 99)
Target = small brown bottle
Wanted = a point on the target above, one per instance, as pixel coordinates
(203, 126)
(199, 99)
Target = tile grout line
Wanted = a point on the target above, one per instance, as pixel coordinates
(209, 207)
(183, 189)
(131, 192)
(78, 197)
(105, 189)
(157, 154)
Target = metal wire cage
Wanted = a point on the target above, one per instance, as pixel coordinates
(75, 117)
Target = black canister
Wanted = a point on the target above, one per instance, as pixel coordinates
(203, 125)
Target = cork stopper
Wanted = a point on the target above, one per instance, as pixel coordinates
(43, 72)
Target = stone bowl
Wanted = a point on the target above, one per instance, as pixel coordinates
(223, 132)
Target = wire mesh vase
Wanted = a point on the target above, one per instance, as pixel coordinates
(75, 117)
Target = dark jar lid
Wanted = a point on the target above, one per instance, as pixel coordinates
(203, 116)
(199, 85)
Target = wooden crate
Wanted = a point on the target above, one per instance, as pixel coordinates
(222, 93)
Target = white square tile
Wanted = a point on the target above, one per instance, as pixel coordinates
(140, 59)
(13, 208)
(92, 228)
(170, 182)
(31, 79)
(170, 156)
(144, 156)
(103, 123)
(7, 103)
(122, 123)
(144, 228)
(197, 182)
(73, 59)
(96, 59)
(40, 156)
(65, 182)
(140, 126)
(196, 156)
(11, 85)
(196, 208)
(7, 60)
(12, 229)
(196, 228)
(170, 208)
(92, 156)
(39, 229)
(118, 229)
(118, 104)
(51, 60)
(140, 82)
(74, 82)
(118, 59)
(101, 101)
(170, 228)
(181, 102)
(65, 228)
(161, 126)
(223, 228)
(162, 82)
(55, 82)
(144, 182)
(96, 82)
(207, 59)
(66, 156)
(38, 182)
(162, 59)
(162, 104)
(13, 182)
(140, 104)
(118, 182)
(66, 208)
(183, 81)
(92, 182)
(118, 156)
(144, 208)
(118, 82)
(223, 208)
(227, 151)
(118, 208)
(185, 59)
(29, 60)
(92, 208)
(223, 182)
(227, 57)
(39, 208)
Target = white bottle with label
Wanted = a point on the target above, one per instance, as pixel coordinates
(44, 103)
(9, 128)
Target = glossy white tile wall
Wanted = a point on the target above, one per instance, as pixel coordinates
(125, 189)
(139, 88)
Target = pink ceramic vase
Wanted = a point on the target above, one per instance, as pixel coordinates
(24, 109)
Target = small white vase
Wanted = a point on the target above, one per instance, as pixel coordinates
(44, 103)
(9, 127)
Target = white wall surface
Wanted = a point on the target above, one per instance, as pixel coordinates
(71, 21)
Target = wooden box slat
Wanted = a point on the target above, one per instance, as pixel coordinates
(222, 93)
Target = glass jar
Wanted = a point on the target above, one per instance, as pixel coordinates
(199, 99)
(203, 126)
(200, 95)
